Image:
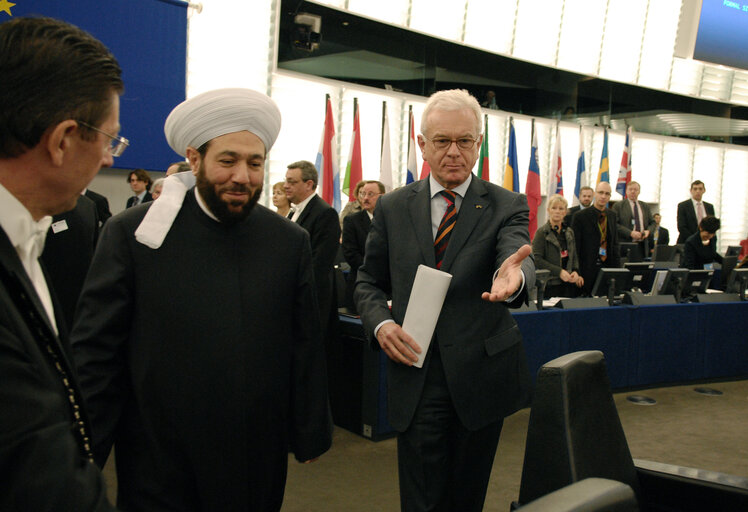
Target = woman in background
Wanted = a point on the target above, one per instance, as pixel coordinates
(280, 201)
(554, 249)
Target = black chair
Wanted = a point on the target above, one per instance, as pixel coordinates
(575, 433)
(588, 495)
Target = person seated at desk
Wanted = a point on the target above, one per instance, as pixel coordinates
(554, 249)
(701, 248)
(743, 250)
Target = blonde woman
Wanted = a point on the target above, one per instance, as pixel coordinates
(554, 249)
(280, 201)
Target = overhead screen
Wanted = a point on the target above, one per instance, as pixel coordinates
(149, 39)
(723, 33)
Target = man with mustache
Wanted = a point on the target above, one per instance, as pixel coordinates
(205, 376)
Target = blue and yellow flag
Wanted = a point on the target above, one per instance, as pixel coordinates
(511, 170)
(603, 174)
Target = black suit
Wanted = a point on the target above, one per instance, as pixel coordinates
(688, 224)
(44, 463)
(355, 230)
(696, 254)
(663, 237)
(146, 198)
(102, 205)
(587, 236)
(570, 214)
(68, 251)
(475, 366)
(321, 222)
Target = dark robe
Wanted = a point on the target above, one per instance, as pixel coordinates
(202, 360)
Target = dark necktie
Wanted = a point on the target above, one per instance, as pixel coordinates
(637, 221)
(445, 227)
(135, 201)
(602, 224)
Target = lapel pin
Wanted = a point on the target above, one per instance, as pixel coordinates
(478, 206)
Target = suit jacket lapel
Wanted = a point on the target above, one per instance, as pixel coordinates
(419, 207)
(473, 205)
(308, 210)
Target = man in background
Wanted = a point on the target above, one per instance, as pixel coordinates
(596, 236)
(59, 120)
(635, 222)
(585, 200)
(660, 235)
(692, 211)
(197, 334)
(140, 183)
(177, 167)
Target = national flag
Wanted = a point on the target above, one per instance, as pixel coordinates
(603, 173)
(580, 169)
(385, 162)
(327, 161)
(353, 169)
(511, 170)
(556, 174)
(483, 158)
(624, 174)
(412, 170)
(532, 187)
(425, 169)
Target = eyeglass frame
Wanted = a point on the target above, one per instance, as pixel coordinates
(114, 150)
(453, 141)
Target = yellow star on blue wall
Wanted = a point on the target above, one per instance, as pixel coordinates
(5, 6)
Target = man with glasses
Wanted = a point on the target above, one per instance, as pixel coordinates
(596, 236)
(59, 118)
(140, 183)
(356, 228)
(449, 413)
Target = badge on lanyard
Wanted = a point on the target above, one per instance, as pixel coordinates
(59, 226)
(603, 252)
(564, 253)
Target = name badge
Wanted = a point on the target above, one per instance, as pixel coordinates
(564, 254)
(59, 226)
(708, 266)
(603, 252)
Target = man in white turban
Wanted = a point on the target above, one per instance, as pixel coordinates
(197, 335)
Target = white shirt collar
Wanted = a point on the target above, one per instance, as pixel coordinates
(300, 207)
(461, 189)
(203, 206)
(20, 226)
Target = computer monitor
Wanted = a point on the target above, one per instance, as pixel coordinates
(668, 253)
(610, 282)
(733, 250)
(697, 282)
(738, 282)
(728, 264)
(642, 275)
(632, 251)
(673, 283)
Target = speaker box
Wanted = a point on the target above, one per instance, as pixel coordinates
(583, 303)
(717, 297)
(639, 299)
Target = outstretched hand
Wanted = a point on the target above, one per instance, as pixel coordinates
(509, 279)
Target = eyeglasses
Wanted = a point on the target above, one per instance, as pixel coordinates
(117, 145)
(444, 143)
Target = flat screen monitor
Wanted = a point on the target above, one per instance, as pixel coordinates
(632, 251)
(642, 275)
(733, 250)
(728, 264)
(667, 253)
(611, 282)
(673, 283)
(738, 282)
(697, 282)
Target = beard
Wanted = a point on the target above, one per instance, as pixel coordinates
(225, 211)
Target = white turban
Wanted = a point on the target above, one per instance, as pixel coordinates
(214, 113)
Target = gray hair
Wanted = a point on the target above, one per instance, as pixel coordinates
(451, 100)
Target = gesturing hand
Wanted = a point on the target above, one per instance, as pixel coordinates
(509, 279)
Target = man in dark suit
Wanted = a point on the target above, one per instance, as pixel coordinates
(140, 183)
(68, 250)
(585, 200)
(635, 222)
(692, 211)
(102, 205)
(449, 413)
(204, 390)
(660, 235)
(596, 236)
(69, 84)
(356, 228)
(321, 221)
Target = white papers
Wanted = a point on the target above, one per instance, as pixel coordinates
(425, 304)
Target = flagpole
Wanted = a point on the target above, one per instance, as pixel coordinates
(384, 113)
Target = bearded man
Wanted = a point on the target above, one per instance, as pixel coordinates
(197, 335)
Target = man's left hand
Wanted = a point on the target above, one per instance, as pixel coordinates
(509, 279)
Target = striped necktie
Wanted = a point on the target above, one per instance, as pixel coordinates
(445, 227)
